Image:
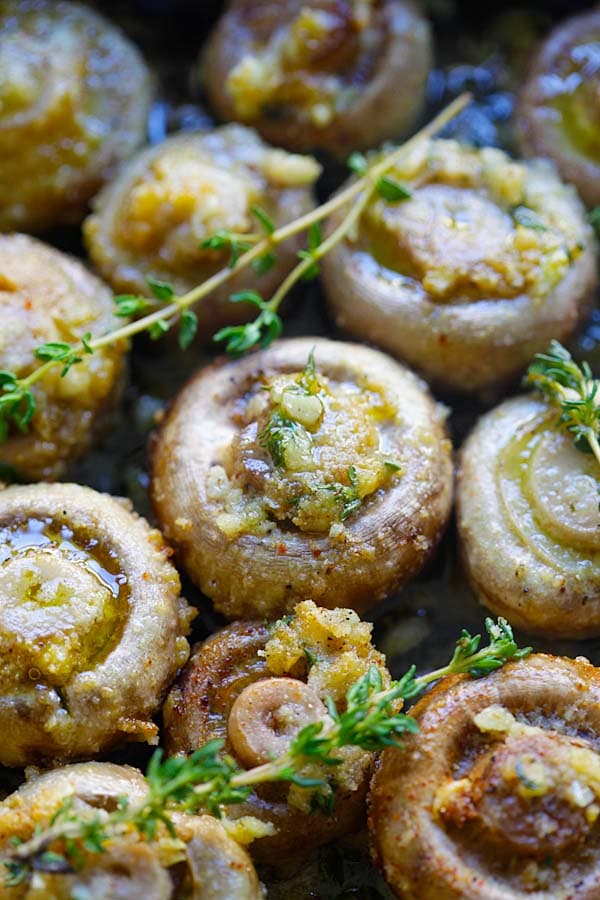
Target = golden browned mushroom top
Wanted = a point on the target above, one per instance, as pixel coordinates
(482, 264)
(557, 115)
(153, 218)
(528, 520)
(74, 96)
(314, 469)
(497, 796)
(200, 862)
(45, 296)
(92, 627)
(256, 687)
(319, 74)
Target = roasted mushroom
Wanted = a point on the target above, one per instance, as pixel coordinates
(199, 862)
(312, 470)
(154, 218)
(92, 626)
(484, 263)
(498, 794)
(331, 74)
(74, 98)
(557, 115)
(528, 521)
(256, 686)
(47, 296)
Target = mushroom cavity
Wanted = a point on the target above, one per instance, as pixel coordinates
(74, 97)
(155, 217)
(313, 469)
(320, 74)
(528, 520)
(472, 273)
(46, 296)
(92, 626)
(498, 794)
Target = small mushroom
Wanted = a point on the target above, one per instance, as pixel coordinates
(323, 74)
(498, 793)
(482, 263)
(313, 469)
(74, 98)
(557, 113)
(47, 296)
(92, 625)
(528, 521)
(199, 862)
(155, 217)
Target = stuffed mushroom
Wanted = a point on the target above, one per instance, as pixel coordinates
(528, 520)
(497, 796)
(199, 861)
(330, 74)
(74, 98)
(469, 270)
(48, 297)
(311, 470)
(557, 115)
(92, 625)
(158, 216)
(256, 686)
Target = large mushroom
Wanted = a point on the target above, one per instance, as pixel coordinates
(74, 98)
(557, 114)
(332, 74)
(470, 271)
(198, 862)
(496, 797)
(92, 625)
(528, 520)
(154, 219)
(255, 687)
(47, 296)
(311, 470)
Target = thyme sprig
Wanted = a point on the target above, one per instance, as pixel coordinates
(209, 780)
(573, 390)
(163, 309)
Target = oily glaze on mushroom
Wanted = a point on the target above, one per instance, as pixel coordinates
(74, 98)
(47, 296)
(332, 74)
(92, 626)
(154, 217)
(528, 520)
(200, 862)
(312, 470)
(497, 795)
(557, 114)
(471, 275)
(255, 686)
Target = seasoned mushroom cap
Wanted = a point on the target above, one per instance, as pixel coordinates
(202, 863)
(154, 218)
(46, 296)
(557, 114)
(470, 276)
(528, 521)
(74, 97)
(320, 74)
(313, 469)
(92, 627)
(255, 686)
(496, 796)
